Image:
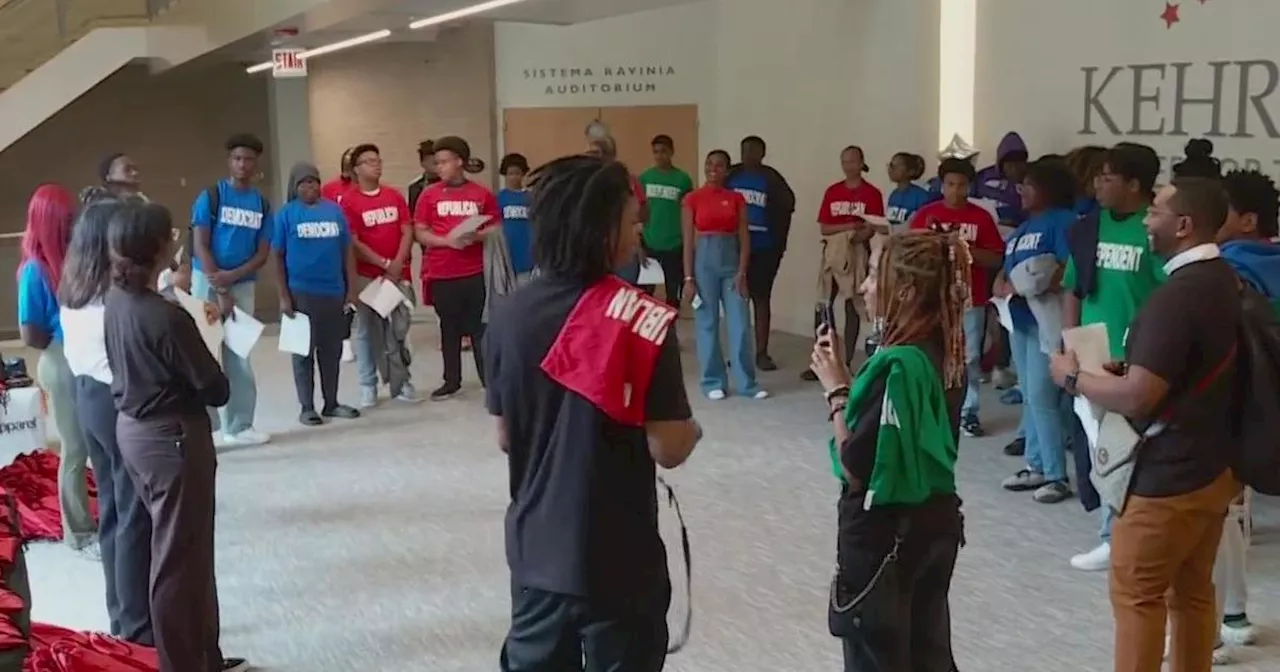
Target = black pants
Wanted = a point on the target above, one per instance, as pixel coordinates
(330, 324)
(1089, 497)
(460, 304)
(852, 322)
(551, 632)
(910, 629)
(173, 465)
(672, 263)
(124, 526)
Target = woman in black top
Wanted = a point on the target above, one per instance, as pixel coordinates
(899, 524)
(163, 377)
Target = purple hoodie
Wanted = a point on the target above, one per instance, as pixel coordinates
(991, 183)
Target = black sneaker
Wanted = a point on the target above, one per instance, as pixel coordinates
(445, 391)
(1016, 447)
(235, 665)
(341, 411)
(971, 427)
(310, 418)
(765, 363)
(809, 376)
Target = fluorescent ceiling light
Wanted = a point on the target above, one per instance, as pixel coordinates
(327, 49)
(462, 13)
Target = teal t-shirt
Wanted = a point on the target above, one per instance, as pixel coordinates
(665, 190)
(1128, 272)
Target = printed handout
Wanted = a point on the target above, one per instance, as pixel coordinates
(383, 296)
(295, 334)
(212, 334)
(241, 332)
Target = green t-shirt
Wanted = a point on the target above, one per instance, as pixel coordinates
(1127, 274)
(665, 191)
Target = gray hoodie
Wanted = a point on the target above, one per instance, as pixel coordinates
(300, 171)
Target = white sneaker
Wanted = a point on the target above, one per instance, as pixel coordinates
(1097, 560)
(408, 394)
(1239, 635)
(762, 394)
(715, 395)
(368, 396)
(1220, 654)
(348, 354)
(249, 437)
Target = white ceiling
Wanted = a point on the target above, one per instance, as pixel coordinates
(400, 13)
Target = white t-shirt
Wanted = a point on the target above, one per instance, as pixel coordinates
(84, 341)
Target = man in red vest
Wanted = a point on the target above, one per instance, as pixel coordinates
(586, 388)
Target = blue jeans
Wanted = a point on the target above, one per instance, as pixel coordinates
(1041, 408)
(715, 264)
(1106, 517)
(975, 329)
(237, 415)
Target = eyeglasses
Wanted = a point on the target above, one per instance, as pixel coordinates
(370, 162)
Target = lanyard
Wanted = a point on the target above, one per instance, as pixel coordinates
(681, 638)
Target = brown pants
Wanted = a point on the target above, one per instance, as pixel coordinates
(172, 464)
(1162, 555)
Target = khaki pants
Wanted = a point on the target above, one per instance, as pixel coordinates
(1162, 559)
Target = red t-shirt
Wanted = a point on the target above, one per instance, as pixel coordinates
(842, 204)
(978, 229)
(715, 209)
(377, 221)
(335, 188)
(638, 190)
(441, 208)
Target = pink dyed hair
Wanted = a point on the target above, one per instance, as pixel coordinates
(50, 216)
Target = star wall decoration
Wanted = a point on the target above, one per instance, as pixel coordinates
(1170, 14)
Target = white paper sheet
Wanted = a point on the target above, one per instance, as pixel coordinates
(241, 332)
(651, 273)
(1091, 345)
(212, 334)
(1002, 310)
(469, 225)
(383, 296)
(295, 334)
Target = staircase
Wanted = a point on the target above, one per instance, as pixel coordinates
(53, 51)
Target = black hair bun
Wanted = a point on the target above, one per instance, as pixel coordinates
(1199, 148)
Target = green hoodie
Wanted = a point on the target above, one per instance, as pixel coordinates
(915, 446)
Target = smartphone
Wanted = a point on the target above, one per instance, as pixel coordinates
(827, 316)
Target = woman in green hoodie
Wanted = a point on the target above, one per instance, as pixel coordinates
(894, 453)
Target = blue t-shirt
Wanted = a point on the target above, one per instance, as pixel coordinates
(243, 221)
(314, 240)
(514, 206)
(754, 187)
(37, 303)
(904, 202)
(1045, 233)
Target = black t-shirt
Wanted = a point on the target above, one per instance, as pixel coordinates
(1183, 334)
(583, 518)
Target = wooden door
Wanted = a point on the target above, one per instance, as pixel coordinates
(634, 128)
(545, 133)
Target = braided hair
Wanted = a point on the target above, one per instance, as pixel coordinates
(922, 288)
(576, 211)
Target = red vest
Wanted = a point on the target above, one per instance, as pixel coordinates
(608, 348)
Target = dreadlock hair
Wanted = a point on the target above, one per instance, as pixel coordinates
(922, 288)
(1251, 191)
(576, 209)
(1086, 162)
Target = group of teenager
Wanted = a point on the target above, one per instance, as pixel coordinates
(583, 376)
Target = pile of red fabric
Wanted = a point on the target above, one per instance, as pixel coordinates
(29, 511)
(55, 649)
(32, 480)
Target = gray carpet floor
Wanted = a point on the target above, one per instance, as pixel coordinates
(377, 544)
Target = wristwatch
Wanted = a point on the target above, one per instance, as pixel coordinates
(1069, 384)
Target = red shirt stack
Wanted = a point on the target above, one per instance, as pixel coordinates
(715, 209)
(377, 220)
(441, 208)
(335, 188)
(978, 229)
(842, 204)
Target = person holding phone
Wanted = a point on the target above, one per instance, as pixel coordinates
(893, 450)
(717, 246)
(311, 246)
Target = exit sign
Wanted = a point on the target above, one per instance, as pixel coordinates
(286, 63)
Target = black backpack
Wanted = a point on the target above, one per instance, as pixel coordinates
(1256, 405)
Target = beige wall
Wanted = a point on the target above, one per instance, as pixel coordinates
(395, 95)
(173, 125)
